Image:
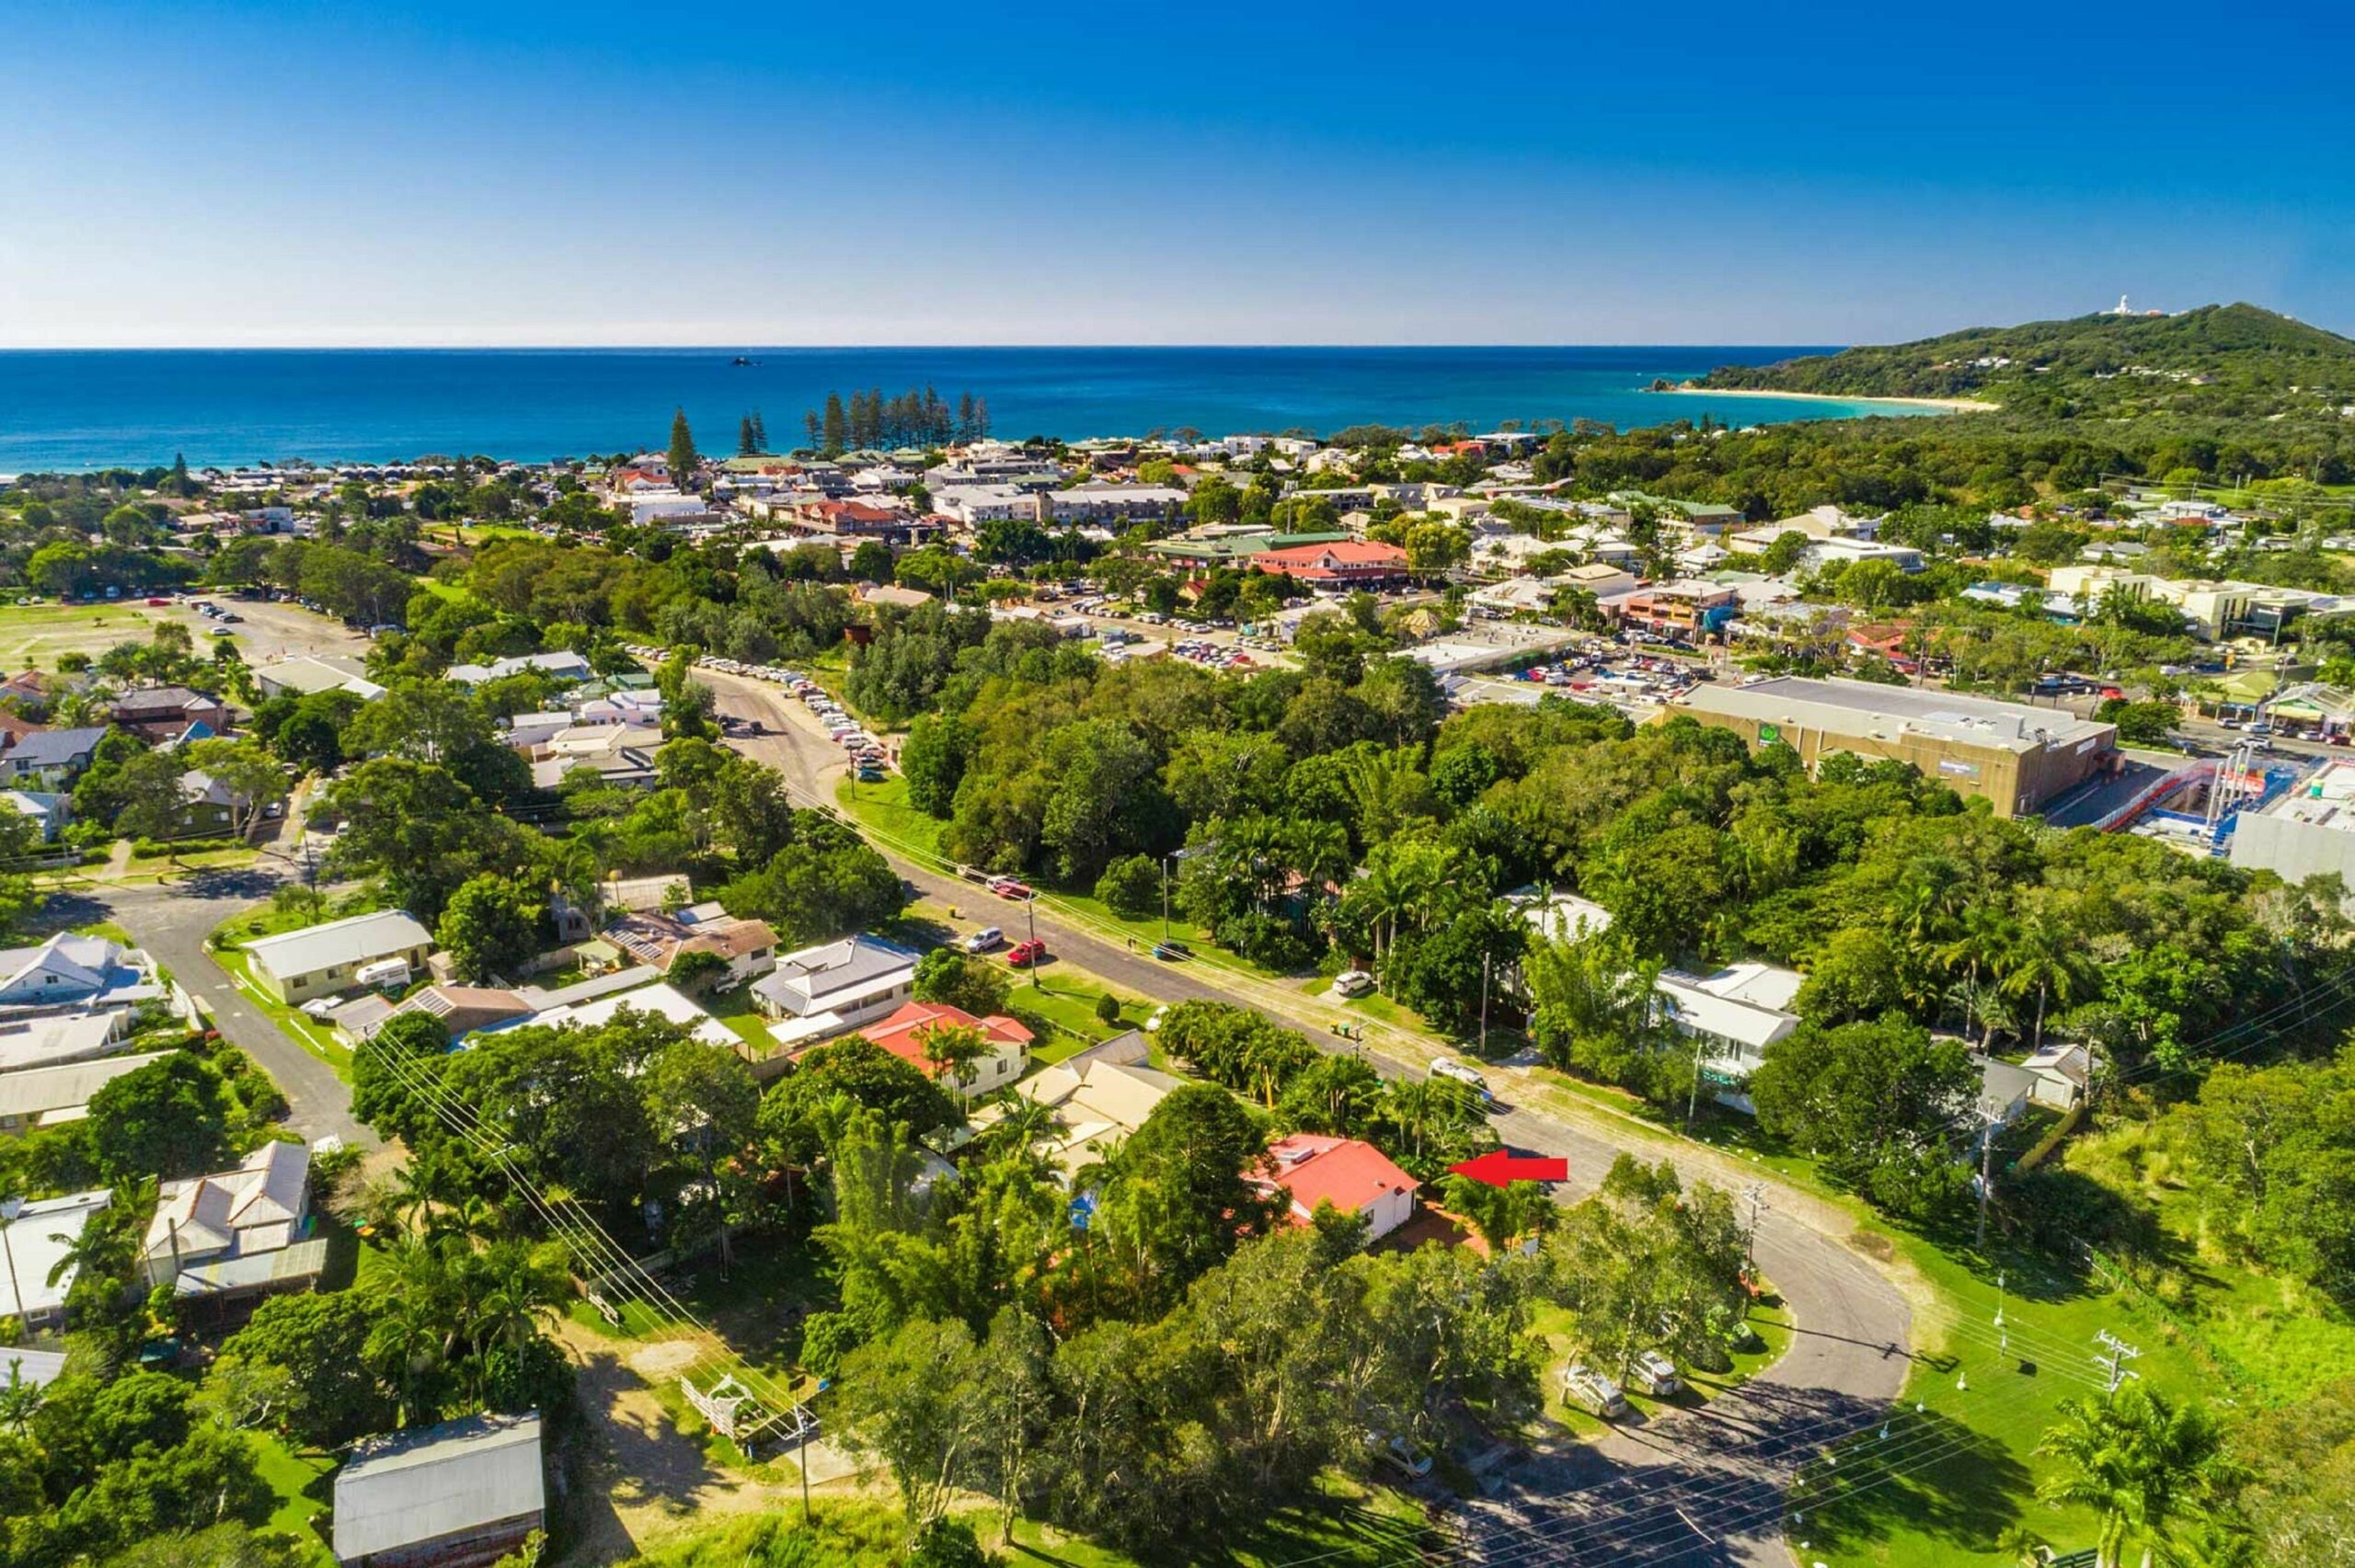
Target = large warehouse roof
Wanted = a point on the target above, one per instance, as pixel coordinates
(1866, 707)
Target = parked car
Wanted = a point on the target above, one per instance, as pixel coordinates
(982, 940)
(1446, 1067)
(1007, 887)
(1172, 951)
(1591, 1391)
(1352, 982)
(1022, 954)
(1397, 1455)
(1656, 1374)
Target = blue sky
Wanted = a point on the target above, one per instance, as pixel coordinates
(236, 174)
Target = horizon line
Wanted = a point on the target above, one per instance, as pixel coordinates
(343, 347)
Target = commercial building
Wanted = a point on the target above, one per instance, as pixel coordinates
(2306, 832)
(2014, 756)
(458, 1496)
(1351, 564)
(302, 965)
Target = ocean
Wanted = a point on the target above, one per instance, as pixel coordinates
(73, 410)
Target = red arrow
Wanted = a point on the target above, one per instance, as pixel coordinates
(1498, 1167)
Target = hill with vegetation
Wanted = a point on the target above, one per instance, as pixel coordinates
(2234, 360)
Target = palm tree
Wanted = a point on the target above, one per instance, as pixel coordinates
(1988, 938)
(2137, 1457)
(950, 1048)
(2045, 963)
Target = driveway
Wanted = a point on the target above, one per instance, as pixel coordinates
(171, 922)
(1617, 1497)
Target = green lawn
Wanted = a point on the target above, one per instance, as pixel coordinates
(299, 1481)
(883, 810)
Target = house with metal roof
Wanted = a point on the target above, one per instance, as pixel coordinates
(237, 1232)
(42, 1097)
(458, 1496)
(834, 988)
(1732, 1014)
(73, 972)
(1353, 1175)
(302, 965)
(37, 1241)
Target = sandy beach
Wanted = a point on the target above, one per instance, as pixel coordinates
(1949, 405)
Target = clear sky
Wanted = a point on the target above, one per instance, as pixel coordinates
(229, 173)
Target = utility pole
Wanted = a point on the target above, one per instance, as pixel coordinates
(1986, 1182)
(9, 1209)
(1756, 1194)
(1693, 1100)
(1030, 908)
(1484, 1004)
(2114, 1363)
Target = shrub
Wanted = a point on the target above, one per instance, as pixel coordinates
(1131, 887)
(1266, 940)
(1107, 1009)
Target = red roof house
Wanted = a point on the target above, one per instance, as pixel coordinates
(902, 1035)
(1349, 561)
(1354, 1176)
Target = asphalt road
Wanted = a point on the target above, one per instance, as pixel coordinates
(1726, 1465)
(171, 922)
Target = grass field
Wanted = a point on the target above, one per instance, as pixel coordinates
(35, 635)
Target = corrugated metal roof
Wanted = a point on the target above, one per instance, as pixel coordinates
(437, 1480)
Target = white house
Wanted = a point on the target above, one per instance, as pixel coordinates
(302, 965)
(39, 1238)
(71, 970)
(834, 988)
(1732, 1015)
(1355, 1177)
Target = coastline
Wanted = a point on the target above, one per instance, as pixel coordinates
(1945, 405)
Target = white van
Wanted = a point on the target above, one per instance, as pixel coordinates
(1591, 1391)
(1352, 982)
(1656, 1375)
(1447, 1066)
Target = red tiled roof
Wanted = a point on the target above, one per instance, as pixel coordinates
(902, 1033)
(1312, 1168)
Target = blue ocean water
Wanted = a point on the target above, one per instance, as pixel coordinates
(80, 409)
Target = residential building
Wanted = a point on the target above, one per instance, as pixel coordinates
(1732, 1015)
(48, 813)
(575, 923)
(834, 988)
(1560, 916)
(656, 939)
(1115, 503)
(2063, 1072)
(1353, 1175)
(461, 1494)
(972, 505)
(890, 596)
(38, 1251)
(308, 673)
(302, 965)
(1226, 545)
(1098, 1104)
(601, 1008)
(50, 759)
(159, 713)
(2015, 755)
(1349, 564)
(238, 1233)
(461, 1009)
(54, 1039)
(75, 972)
(902, 1033)
(42, 1097)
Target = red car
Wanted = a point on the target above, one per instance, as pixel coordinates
(1022, 954)
(1007, 887)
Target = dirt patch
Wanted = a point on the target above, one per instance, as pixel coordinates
(643, 1478)
(1873, 1246)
